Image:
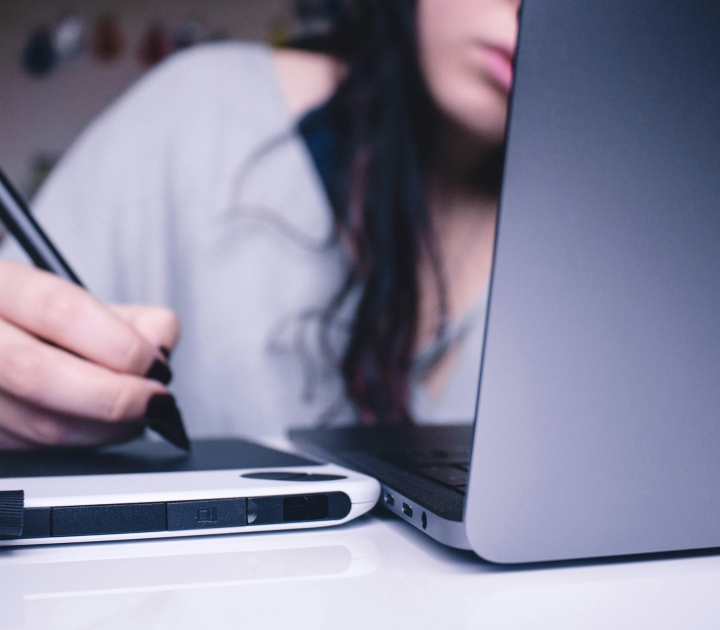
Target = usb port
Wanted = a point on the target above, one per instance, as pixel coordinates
(389, 499)
(407, 510)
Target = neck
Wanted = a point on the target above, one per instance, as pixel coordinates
(463, 217)
(460, 155)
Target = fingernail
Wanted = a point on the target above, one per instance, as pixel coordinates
(164, 418)
(165, 352)
(160, 372)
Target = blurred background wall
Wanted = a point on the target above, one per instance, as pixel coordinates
(45, 102)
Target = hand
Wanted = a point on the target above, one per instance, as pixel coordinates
(72, 370)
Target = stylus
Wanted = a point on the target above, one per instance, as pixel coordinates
(163, 415)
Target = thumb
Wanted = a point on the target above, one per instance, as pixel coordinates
(160, 326)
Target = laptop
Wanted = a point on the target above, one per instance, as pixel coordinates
(597, 428)
(150, 489)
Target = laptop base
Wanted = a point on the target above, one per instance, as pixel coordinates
(420, 470)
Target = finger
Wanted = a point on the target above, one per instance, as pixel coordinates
(9, 442)
(70, 317)
(48, 377)
(24, 426)
(160, 326)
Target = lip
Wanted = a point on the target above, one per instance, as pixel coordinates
(498, 61)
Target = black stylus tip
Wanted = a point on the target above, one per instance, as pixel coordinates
(164, 418)
(160, 372)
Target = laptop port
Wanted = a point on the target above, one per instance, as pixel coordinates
(389, 499)
(407, 510)
(423, 520)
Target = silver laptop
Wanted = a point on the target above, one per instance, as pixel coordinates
(597, 431)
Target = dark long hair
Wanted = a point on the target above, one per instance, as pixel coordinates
(374, 143)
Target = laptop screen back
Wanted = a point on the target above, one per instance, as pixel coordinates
(598, 425)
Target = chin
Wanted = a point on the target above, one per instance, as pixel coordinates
(482, 112)
(488, 128)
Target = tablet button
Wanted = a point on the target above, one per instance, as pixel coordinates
(206, 514)
(37, 523)
(95, 520)
(298, 508)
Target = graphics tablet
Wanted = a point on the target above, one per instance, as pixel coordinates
(151, 490)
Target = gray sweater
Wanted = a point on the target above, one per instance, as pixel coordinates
(194, 191)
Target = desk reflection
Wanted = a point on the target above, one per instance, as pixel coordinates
(114, 585)
(373, 573)
(652, 595)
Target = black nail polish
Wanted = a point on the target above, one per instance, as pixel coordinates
(160, 372)
(165, 352)
(164, 418)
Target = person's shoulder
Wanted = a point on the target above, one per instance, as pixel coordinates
(205, 89)
(200, 73)
(300, 79)
(213, 61)
(306, 79)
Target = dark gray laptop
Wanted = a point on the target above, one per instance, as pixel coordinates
(597, 430)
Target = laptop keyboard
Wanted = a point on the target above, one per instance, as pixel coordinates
(448, 466)
(427, 464)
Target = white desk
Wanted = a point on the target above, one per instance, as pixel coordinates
(374, 573)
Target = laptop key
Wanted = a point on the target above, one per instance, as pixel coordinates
(447, 475)
(433, 457)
